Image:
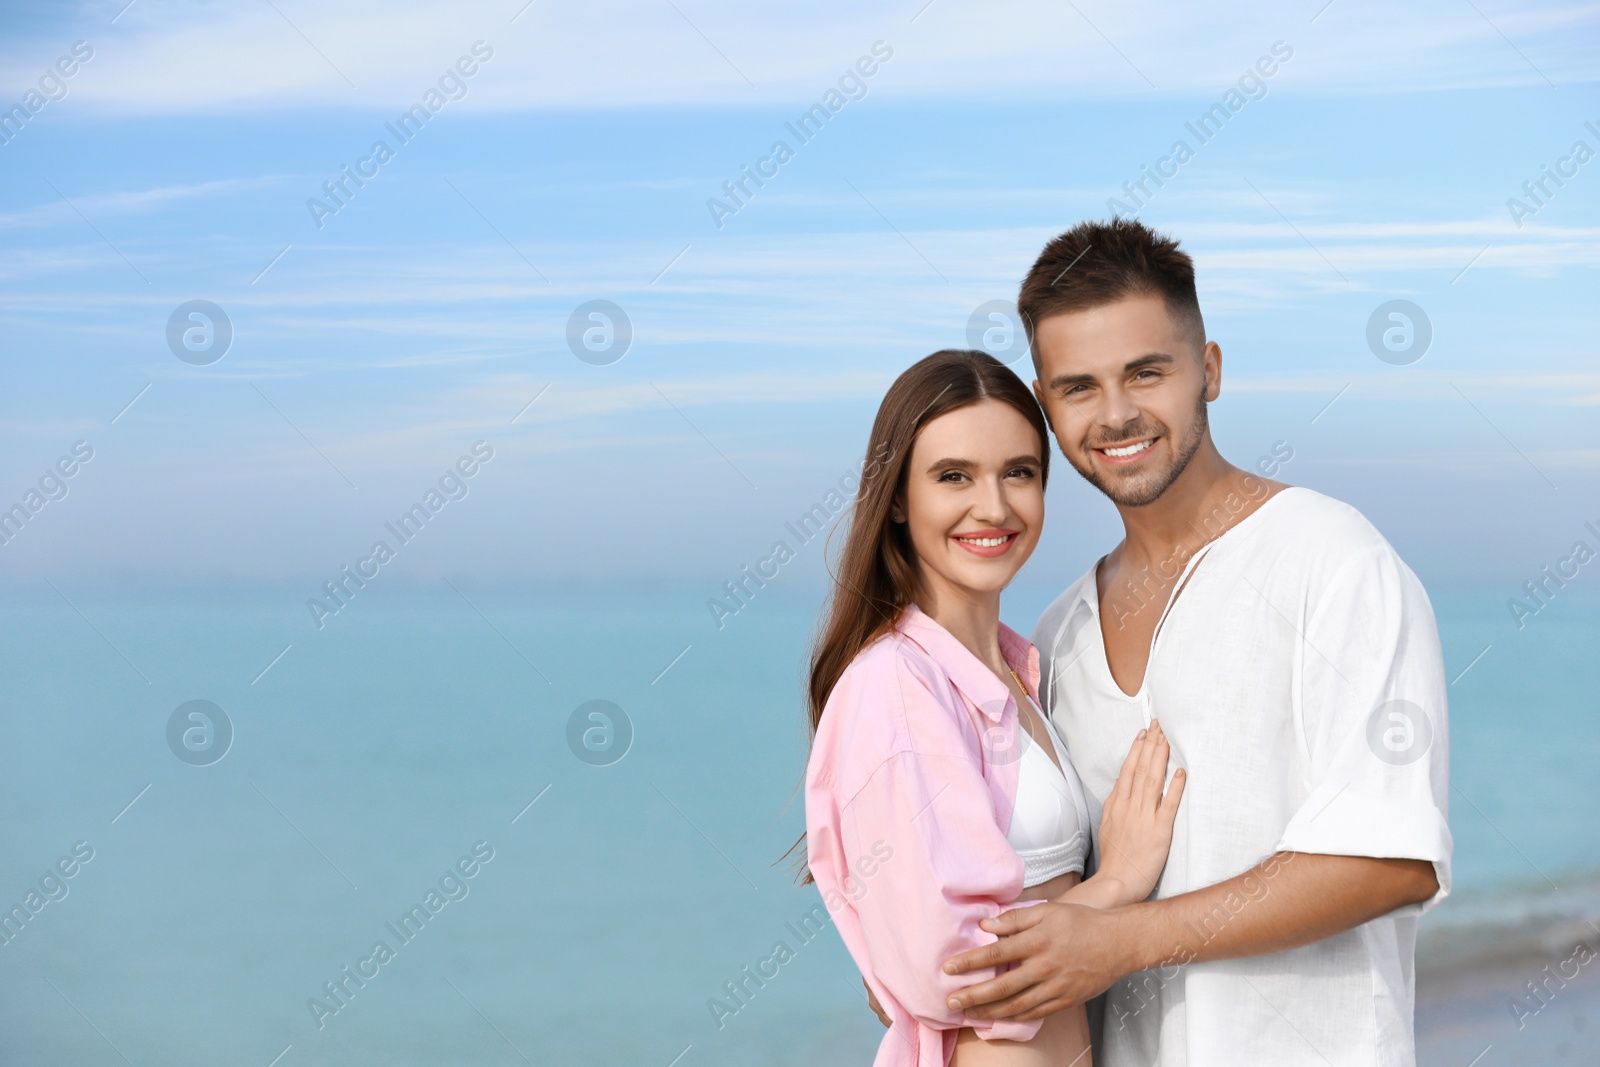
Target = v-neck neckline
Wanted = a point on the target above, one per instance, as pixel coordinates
(1190, 569)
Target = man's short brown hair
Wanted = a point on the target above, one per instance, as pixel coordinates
(1097, 263)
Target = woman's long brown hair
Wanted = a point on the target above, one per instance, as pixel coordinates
(875, 576)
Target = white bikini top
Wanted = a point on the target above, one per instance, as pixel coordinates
(1050, 822)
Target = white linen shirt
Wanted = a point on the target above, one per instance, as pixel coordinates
(1299, 679)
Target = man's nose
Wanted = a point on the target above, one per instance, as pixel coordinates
(1117, 411)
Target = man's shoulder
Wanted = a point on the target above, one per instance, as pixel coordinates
(1317, 547)
(1299, 535)
(1310, 524)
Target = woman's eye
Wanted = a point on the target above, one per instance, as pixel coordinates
(1020, 472)
(951, 476)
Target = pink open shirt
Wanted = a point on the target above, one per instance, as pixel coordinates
(909, 791)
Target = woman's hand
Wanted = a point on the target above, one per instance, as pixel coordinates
(1136, 823)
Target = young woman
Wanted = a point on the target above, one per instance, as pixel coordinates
(937, 793)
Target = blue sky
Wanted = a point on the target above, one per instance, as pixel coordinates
(1375, 163)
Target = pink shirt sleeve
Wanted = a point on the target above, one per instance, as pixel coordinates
(919, 798)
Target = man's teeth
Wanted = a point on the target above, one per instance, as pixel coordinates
(1129, 450)
(983, 542)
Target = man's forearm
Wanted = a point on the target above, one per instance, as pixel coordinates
(1288, 900)
(1100, 892)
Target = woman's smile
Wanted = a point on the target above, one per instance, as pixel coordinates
(990, 544)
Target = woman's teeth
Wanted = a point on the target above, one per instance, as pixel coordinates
(1129, 450)
(983, 542)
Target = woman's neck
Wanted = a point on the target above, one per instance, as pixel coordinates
(971, 617)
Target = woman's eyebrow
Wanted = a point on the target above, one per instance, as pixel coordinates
(967, 464)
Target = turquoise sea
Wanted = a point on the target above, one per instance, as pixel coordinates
(426, 727)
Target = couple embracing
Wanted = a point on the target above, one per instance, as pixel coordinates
(1212, 787)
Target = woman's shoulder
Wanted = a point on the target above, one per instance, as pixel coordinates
(890, 673)
(889, 658)
(892, 699)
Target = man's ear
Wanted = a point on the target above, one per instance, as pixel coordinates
(1211, 358)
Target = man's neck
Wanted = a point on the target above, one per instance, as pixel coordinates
(1206, 500)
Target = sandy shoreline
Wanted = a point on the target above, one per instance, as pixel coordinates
(1459, 1018)
(1527, 993)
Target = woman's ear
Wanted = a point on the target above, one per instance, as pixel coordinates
(897, 511)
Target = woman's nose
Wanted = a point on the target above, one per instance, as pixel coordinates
(991, 506)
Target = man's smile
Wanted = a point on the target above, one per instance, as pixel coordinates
(1126, 453)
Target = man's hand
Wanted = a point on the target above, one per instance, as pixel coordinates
(872, 1002)
(1067, 954)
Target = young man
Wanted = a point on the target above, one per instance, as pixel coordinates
(1292, 660)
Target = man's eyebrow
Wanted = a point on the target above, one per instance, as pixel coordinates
(1061, 381)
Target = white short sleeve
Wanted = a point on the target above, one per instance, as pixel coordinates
(1373, 719)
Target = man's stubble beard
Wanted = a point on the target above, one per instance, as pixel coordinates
(1149, 488)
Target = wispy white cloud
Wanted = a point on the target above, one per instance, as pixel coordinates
(200, 57)
(52, 209)
(1476, 463)
(884, 287)
(1545, 388)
